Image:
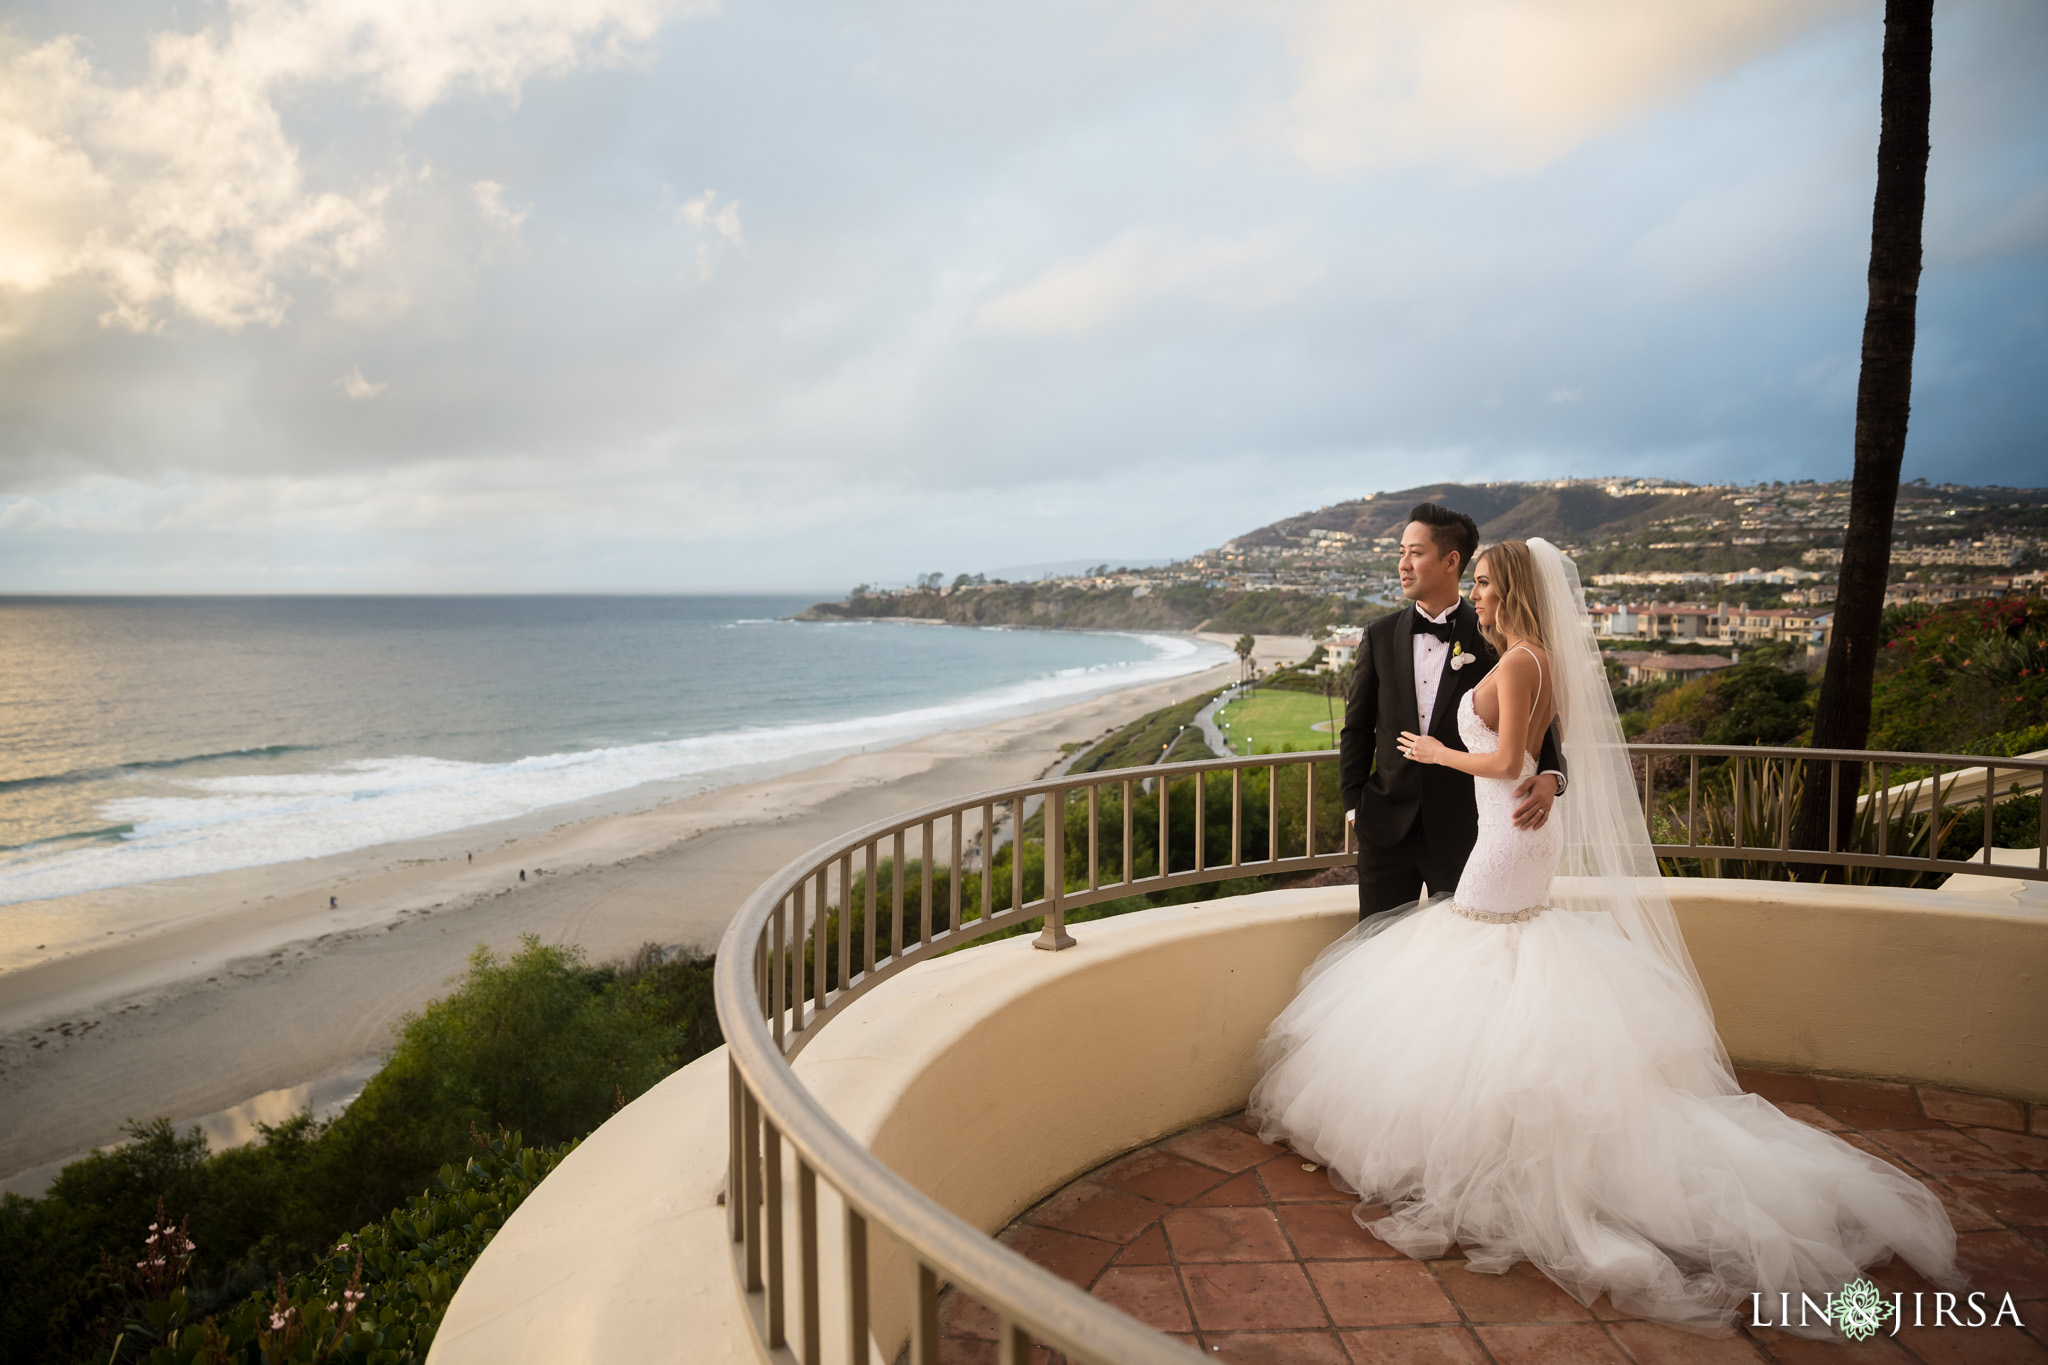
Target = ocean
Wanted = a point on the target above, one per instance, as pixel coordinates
(150, 738)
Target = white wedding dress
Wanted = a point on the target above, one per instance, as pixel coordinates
(1530, 1083)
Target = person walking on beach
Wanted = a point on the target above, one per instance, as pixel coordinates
(1416, 823)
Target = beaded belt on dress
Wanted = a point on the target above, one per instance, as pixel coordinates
(1498, 917)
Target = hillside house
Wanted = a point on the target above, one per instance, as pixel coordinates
(1646, 666)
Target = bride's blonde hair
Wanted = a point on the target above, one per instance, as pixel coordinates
(1513, 572)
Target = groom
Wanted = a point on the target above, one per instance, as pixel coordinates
(1416, 822)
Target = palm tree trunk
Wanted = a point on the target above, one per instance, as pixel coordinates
(1884, 394)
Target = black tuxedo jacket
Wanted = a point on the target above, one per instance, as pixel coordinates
(1387, 790)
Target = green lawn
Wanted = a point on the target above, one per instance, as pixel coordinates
(1266, 722)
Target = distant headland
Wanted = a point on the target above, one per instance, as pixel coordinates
(1634, 539)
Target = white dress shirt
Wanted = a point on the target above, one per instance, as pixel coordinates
(1430, 662)
(1430, 655)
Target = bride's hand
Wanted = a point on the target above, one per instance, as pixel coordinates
(1420, 748)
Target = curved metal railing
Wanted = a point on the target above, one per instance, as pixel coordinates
(857, 910)
(1893, 812)
(847, 916)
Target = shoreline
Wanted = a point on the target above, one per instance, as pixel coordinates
(66, 905)
(248, 983)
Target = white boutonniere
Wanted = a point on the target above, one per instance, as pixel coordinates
(1459, 658)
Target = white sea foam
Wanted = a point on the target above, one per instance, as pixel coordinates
(257, 820)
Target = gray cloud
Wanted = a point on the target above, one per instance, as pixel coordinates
(751, 298)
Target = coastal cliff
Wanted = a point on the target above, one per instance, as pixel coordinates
(1184, 606)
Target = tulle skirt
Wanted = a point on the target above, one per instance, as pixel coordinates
(1544, 1091)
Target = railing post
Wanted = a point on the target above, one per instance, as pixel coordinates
(874, 908)
(1834, 804)
(807, 1259)
(924, 1316)
(958, 886)
(771, 1167)
(1692, 804)
(988, 859)
(1130, 862)
(1308, 833)
(1883, 773)
(1237, 817)
(750, 1195)
(1016, 853)
(896, 849)
(1735, 824)
(1054, 936)
(1273, 814)
(1013, 1343)
(1163, 786)
(857, 1351)
(845, 922)
(926, 884)
(1934, 820)
(821, 943)
(778, 957)
(1094, 839)
(1649, 787)
(800, 985)
(735, 1154)
(1990, 800)
(1785, 809)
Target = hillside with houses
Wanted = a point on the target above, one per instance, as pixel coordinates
(1665, 564)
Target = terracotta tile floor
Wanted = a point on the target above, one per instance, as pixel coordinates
(1234, 1247)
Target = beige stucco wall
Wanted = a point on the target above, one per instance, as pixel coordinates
(620, 1254)
(1948, 987)
(993, 1076)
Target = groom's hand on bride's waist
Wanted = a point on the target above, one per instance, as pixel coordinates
(1533, 800)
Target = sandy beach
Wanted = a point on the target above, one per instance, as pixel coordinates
(250, 984)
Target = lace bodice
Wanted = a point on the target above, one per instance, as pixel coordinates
(1510, 869)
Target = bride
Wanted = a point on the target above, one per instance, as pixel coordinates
(1531, 1070)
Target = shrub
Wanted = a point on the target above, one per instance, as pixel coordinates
(1950, 676)
(1753, 702)
(540, 1042)
(378, 1295)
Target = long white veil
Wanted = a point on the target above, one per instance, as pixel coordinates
(1606, 863)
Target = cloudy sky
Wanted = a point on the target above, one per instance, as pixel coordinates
(488, 295)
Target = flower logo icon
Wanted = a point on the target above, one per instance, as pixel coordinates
(1860, 1310)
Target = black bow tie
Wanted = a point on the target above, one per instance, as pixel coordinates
(1441, 629)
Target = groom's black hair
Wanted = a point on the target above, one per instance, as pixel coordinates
(1451, 531)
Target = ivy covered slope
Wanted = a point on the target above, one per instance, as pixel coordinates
(541, 1043)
